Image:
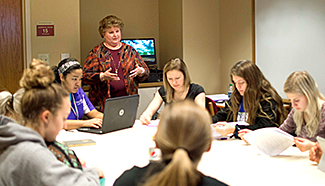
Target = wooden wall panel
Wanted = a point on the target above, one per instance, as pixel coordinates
(11, 44)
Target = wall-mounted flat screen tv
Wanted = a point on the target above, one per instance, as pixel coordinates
(145, 47)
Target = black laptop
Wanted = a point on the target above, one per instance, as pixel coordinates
(119, 113)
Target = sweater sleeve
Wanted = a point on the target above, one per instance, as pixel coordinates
(42, 168)
(289, 125)
(138, 60)
(222, 114)
(91, 68)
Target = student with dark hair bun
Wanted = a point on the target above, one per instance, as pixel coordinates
(183, 135)
(68, 74)
(24, 156)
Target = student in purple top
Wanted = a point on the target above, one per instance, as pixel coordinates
(69, 73)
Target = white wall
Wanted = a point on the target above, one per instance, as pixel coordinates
(290, 36)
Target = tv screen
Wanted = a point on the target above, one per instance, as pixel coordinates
(145, 47)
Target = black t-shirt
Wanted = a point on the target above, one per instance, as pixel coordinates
(193, 91)
(136, 174)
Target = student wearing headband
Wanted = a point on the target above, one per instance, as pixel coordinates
(68, 74)
(183, 135)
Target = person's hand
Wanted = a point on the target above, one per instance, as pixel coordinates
(138, 71)
(145, 119)
(224, 129)
(303, 144)
(242, 133)
(95, 122)
(107, 75)
(100, 173)
(315, 153)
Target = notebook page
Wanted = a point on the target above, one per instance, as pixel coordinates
(270, 141)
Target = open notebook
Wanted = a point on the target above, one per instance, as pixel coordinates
(270, 141)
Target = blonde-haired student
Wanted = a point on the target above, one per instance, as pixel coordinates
(177, 87)
(24, 156)
(307, 118)
(183, 135)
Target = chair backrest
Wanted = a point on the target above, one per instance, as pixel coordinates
(211, 106)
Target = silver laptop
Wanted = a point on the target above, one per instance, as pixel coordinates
(119, 113)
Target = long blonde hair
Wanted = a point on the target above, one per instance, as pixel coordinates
(174, 64)
(183, 135)
(301, 82)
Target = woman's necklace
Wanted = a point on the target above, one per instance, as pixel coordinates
(118, 66)
(75, 109)
(114, 48)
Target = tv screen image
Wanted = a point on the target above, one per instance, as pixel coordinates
(145, 47)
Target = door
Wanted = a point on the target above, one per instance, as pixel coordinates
(11, 44)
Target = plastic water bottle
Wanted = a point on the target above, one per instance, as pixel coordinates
(230, 90)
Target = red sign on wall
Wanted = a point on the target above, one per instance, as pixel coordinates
(45, 30)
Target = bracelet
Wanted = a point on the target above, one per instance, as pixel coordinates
(236, 131)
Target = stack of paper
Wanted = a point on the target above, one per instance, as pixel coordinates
(270, 141)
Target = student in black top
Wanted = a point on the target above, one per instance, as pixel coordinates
(254, 101)
(177, 87)
(183, 135)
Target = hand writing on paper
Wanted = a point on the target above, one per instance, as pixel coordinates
(315, 153)
(303, 144)
(224, 129)
(138, 71)
(107, 75)
(242, 133)
(145, 119)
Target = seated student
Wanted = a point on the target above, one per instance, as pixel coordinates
(307, 117)
(183, 135)
(253, 100)
(69, 73)
(177, 87)
(315, 153)
(24, 156)
(10, 104)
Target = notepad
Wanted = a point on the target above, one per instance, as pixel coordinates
(76, 143)
(270, 141)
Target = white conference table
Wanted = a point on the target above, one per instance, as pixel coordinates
(230, 161)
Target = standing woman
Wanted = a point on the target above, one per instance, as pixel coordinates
(112, 69)
(254, 101)
(68, 74)
(307, 117)
(177, 87)
(183, 135)
(24, 156)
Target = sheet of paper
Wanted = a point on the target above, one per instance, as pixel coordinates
(218, 97)
(270, 141)
(153, 123)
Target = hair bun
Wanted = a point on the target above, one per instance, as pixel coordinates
(39, 75)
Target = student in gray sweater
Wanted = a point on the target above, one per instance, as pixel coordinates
(24, 156)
